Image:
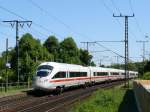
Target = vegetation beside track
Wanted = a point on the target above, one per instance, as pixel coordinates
(13, 89)
(146, 76)
(115, 99)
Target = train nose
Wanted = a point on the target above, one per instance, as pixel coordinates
(40, 82)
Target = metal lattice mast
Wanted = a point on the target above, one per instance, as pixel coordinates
(21, 24)
(126, 48)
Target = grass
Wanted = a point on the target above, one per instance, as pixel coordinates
(111, 100)
(12, 90)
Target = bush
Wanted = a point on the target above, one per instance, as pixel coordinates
(146, 76)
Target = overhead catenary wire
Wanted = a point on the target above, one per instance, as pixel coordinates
(5, 34)
(115, 6)
(109, 50)
(57, 19)
(35, 31)
(48, 13)
(34, 23)
(26, 19)
(111, 12)
(136, 20)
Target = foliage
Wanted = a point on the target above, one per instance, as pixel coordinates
(146, 76)
(131, 66)
(32, 53)
(69, 52)
(85, 57)
(147, 67)
(101, 101)
(137, 66)
(3, 68)
(52, 45)
(92, 64)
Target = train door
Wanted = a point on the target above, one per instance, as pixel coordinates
(90, 74)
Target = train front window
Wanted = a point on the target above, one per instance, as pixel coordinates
(47, 67)
(42, 73)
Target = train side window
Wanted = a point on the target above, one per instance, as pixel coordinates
(72, 74)
(83, 74)
(132, 74)
(60, 75)
(102, 73)
(122, 73)
(114, 73)
(78, 74)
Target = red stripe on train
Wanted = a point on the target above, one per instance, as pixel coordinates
(83, 78)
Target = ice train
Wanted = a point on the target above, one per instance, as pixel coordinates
(53, 75)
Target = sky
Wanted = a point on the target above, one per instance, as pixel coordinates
(85, 21)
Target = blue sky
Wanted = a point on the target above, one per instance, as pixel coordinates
(84, 20)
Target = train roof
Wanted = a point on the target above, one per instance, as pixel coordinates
(64, 66)
(60, 64)
(74, 66)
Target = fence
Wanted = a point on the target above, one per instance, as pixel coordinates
(14, 86)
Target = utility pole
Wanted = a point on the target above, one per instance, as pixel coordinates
(6, 65)
(117, 59)
(21, 24)
(143, 42)
(126, 47)
(101, 59)
(87, 48)
(87, 45)
(100, 62)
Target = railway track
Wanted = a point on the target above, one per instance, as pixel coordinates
(8, 99)
(50, 103)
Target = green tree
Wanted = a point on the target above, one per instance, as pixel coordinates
(146, 76)
(86, 58)
(69, 52)
(31, 53)
(147, 67)
(28, 67)
(2, 69)
(52, 45)
(92, 64)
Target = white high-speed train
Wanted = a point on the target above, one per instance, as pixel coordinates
(52, 75)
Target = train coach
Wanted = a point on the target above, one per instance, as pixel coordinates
(53, 75)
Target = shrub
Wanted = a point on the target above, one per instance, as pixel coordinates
(146, 76)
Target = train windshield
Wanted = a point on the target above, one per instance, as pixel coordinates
(42, 73)
(46, 67)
